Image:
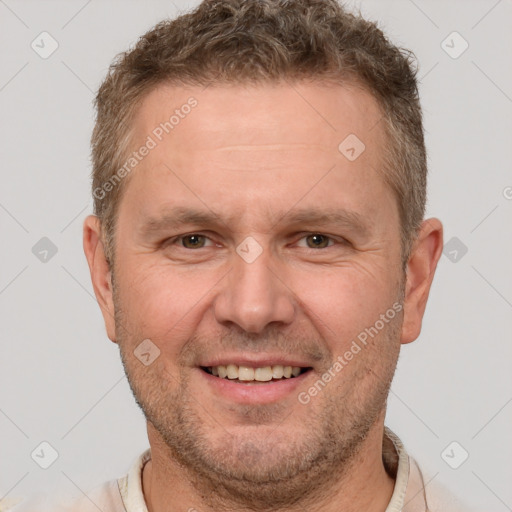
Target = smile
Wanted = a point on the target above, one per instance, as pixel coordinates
(247, 374)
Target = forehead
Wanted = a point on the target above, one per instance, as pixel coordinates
(265, 114)
(265, 144)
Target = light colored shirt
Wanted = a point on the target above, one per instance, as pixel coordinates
(413, 492)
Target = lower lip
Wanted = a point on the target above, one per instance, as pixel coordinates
(254, 393)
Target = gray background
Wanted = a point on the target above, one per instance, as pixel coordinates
(61, 378)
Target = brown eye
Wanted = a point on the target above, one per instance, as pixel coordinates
(317, 241)
(193, 241)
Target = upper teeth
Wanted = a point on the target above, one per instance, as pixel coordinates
(247, 373)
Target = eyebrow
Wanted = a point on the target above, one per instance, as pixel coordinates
(176, 217)
(179, 216)
(327, 216)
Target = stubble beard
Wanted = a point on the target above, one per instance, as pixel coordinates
(272, 471)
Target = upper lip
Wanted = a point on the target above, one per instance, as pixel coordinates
(255, 361)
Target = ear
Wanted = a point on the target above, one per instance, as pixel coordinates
(421, 267)
(100, 272)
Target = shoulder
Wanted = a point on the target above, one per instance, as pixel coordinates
(105, 497)
(415, 490)
(438, 497)
(120, 495)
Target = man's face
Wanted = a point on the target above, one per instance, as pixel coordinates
(246, 237)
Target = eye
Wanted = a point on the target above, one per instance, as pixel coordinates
(317, 241)
(193, 241)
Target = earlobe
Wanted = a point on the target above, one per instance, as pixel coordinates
(100, 271)
(421, 267)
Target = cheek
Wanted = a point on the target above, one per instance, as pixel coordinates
(163, 303)
(343, 303)
(168, 304)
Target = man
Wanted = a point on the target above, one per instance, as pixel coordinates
(259, 254)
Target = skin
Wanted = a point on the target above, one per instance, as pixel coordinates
(253, 156)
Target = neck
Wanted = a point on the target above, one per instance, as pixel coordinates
(363, 485)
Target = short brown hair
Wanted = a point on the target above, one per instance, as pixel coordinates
(258, 41)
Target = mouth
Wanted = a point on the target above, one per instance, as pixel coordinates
(251, 380)
(243, 374)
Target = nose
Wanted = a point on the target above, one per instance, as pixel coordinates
(253, 296)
